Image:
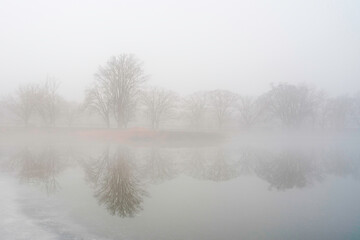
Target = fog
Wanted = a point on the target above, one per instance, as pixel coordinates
(179, 120)
(186, 46)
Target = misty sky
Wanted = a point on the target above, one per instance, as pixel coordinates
(186, 45)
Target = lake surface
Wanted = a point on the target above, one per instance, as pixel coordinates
(238, 190)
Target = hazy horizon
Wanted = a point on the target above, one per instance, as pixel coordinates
(185, 46)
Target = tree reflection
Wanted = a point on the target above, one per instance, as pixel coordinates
(341, 163)
(118, 179)
(211, 164)
(196, 163)
(39, 167)
(159, 166)
(220, 169)
(289, 169)
(247, 159)
(116, 183)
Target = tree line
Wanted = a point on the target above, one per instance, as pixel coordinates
(119, 95)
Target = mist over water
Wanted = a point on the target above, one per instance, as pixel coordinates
(268, 189)
(179, 120)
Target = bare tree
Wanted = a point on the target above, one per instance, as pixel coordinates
(98, 99)
(195, 107)
(356, 109)
(319, 112)
(122, 77)
(4, 109)
(70, 111)
(49, 102)
(25, 101)
(337, 112)
(292, 104)
(222, 102)
(252, 110)
(158, 104)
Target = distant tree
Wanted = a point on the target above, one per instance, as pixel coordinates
(337, 112)
(49, 101)
(252, 110)
(2, 109)
(24, 104)
(356, 109)
(70, 111)
(121, 78)
(318, 117)
(98, 99)
(159, 105)
(222, 103)
(195, 107)
(292, 104)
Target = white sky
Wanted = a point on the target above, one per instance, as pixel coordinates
(186, 45)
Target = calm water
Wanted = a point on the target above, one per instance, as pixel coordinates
(229, 191)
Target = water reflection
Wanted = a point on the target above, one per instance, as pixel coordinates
(159, 165)
(114, 176)
(39, 167)
(289, 169)
(213, 164)
(120, 176)
(341, 162)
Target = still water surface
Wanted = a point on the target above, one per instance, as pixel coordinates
(228, 191)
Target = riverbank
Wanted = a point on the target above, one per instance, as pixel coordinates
(134, 136)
